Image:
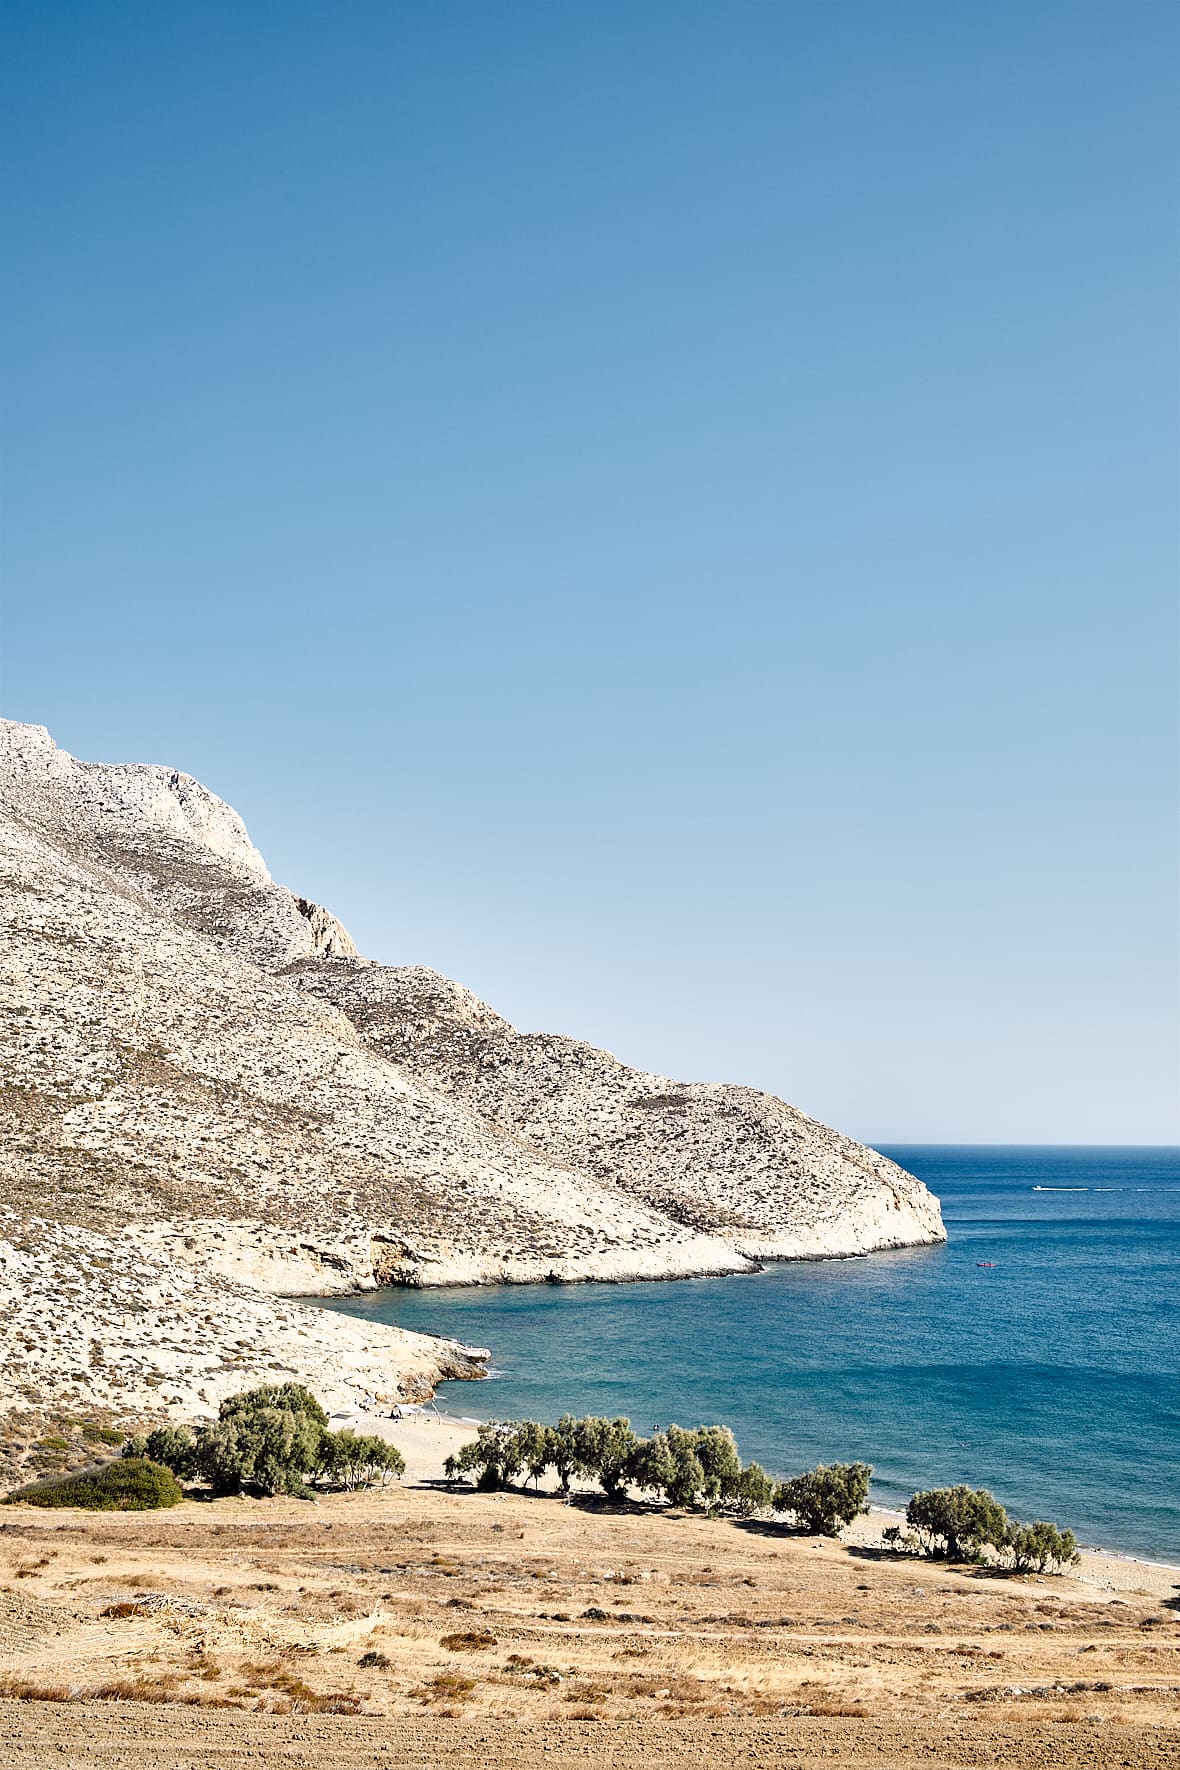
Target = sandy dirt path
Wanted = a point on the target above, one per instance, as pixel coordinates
(99, 1736)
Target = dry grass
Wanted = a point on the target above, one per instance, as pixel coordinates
(476, 1606)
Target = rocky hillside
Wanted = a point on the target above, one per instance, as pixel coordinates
(195, 1063)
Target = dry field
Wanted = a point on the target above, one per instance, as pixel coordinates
(419, 1627)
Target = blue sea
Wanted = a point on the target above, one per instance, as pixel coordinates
(1037, 1353)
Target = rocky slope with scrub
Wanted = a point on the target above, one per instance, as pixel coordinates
(197, 1066)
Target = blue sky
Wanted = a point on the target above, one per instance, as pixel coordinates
(665, 512)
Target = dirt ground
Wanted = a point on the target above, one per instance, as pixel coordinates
(419, 1627)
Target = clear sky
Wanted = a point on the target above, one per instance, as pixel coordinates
(665, 512)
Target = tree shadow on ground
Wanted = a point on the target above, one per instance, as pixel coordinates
(775, 1528)
(597, 1503)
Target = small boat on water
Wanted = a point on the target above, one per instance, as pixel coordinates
(985, 1262)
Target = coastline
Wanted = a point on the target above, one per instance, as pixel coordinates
(426, 1438)
(1105, 1568)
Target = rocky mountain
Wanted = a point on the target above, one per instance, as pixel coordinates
(197, 1068)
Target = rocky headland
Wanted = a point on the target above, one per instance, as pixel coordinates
(211, 1104)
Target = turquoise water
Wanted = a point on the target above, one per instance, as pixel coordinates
(1052, 1377)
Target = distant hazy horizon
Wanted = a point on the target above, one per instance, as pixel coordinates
(666, 514)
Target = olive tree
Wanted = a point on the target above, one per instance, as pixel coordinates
(961, 1519)
(494, 1455)
(717, 1452)
(563, 1450)
(667, 1466)
(604, 1449)
(1035, 1548)
(751, 1491)
(265, 1450)
(827, 1497)
(351, 1460)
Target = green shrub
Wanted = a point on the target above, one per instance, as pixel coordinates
(1035, 1548)
(351, 1460)
(101, 1434)
(261, 1449)
(290, 1397)
(957, 1522)
(175, 1447)
(827, 1497)
(129, 1484)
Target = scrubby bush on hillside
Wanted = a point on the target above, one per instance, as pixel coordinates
(267, 1441)
(1039, 1547)
(129, 1484)
(957, 1522)
(827, 1497)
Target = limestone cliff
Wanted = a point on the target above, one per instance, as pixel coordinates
(196, 1064)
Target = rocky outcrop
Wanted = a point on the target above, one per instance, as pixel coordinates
(197, 1065)
(111, 1321)
(719, 1160)
(179, 846)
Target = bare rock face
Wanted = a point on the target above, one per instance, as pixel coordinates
(196, 1066)
(720, 1160)
(181, 847)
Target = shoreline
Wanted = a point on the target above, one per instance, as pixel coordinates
(426, 1438)
(1096, 1567)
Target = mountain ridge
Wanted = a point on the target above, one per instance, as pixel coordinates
(197, 1061)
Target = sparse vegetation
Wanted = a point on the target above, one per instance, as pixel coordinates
(267, 1441)
(701, 1469)
(129, 1484)
(698, 1468)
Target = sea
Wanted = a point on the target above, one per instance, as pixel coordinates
(1037, 1353)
